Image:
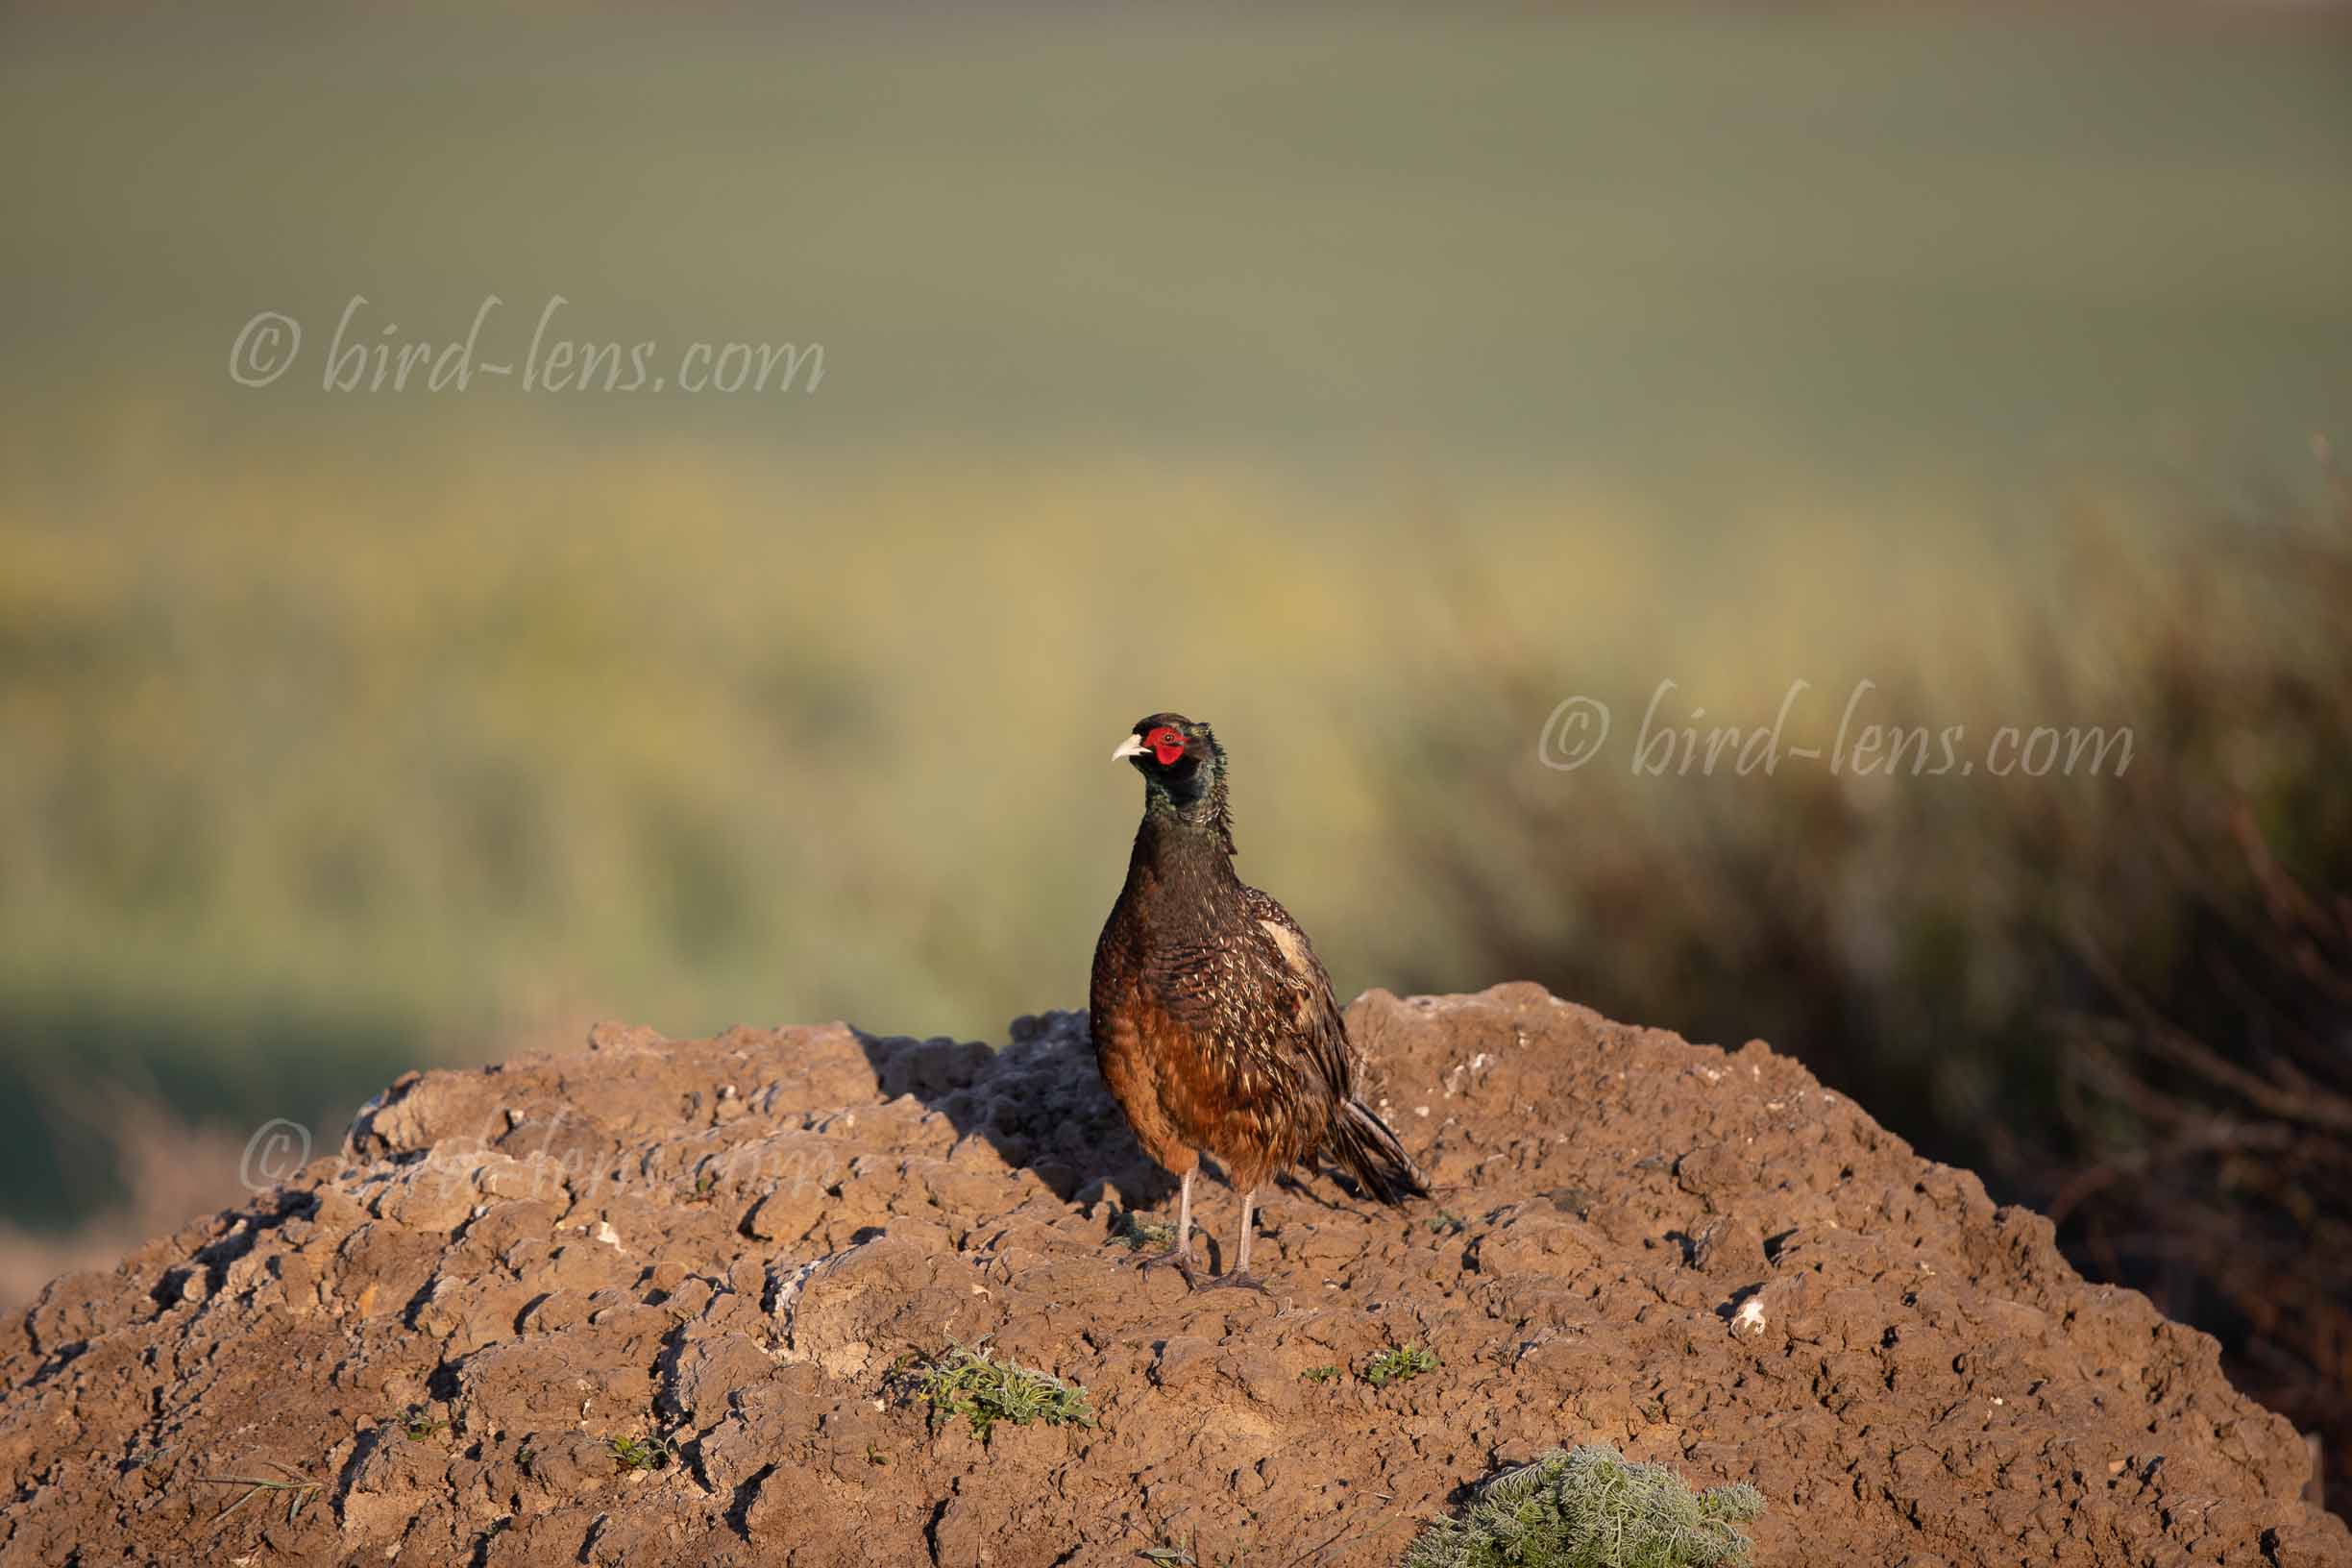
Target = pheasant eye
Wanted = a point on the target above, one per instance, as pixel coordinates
(1166, 744)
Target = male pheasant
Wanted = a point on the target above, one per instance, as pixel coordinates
(1213, 1022)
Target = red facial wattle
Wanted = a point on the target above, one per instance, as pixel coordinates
(1166, 744)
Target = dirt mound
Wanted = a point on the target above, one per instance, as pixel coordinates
(712, 1254)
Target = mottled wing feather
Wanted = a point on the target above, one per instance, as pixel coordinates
(1319, 1029)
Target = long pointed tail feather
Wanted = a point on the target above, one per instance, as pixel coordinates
(1367, 1149)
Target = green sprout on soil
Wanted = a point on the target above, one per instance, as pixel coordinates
(299, 1488)
(706, 1188)
(1400, 1365)
(641, 1453)
(1591, 1508)
(1320, 1374)
(1448, 1223)
(1138, 1233)
(1189, 1555)
(966, 1380)
(420, 1424)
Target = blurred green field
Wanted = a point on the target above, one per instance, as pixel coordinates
(1168, 364)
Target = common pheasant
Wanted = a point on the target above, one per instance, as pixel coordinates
(1213, 1022)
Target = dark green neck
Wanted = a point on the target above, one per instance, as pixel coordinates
(1192, 807)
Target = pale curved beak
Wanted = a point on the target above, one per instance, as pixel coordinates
(1132, 747)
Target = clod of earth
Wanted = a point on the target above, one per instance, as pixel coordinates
(716, 1252)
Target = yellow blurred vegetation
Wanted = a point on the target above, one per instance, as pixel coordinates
(1366, 386)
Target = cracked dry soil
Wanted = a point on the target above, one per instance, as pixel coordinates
(721, 1247)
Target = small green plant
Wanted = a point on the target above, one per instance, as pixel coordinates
(1400, 1364)
(1591, 1508)
(421, 1423)
(1448, 1223)
(1137, 1233)
(296, 1489)
(966, 1380)
(642, 1453)
(706, 1188)
(1320, 1374)
(1169, 1556)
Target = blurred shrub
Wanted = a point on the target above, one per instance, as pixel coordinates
(2126, 998)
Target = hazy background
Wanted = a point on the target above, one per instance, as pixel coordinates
(1366, 385)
